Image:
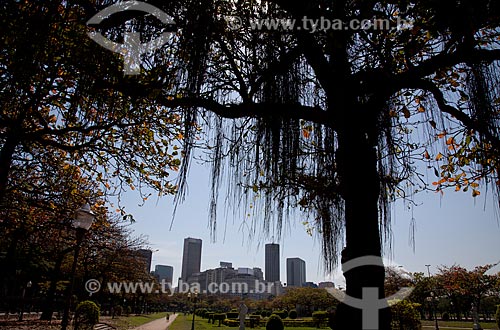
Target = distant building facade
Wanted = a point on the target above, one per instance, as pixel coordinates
(323, 285)
(272, 262)
(295, 272)
(191, 257)
(164, 273)
(257, 272)
(146, 256)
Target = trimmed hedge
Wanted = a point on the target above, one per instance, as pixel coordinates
(219, 317)
(233, 315)
(281, 313)
(293, 314)
(275, 323)
(299, 323)
(231, 323)
(320, 318)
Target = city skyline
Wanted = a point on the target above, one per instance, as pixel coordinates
(436, 223)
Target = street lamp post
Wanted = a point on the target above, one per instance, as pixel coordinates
(194, 296)
(23, 302)
(433, 301)
(82, 221)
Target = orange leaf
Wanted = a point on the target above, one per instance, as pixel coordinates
(439, 156)
(306, 133)
(406, 112)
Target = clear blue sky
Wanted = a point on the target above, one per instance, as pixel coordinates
(450, 229)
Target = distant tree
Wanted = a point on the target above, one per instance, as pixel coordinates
(464, 287)
(310, 298)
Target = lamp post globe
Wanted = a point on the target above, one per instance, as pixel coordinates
(83, 217)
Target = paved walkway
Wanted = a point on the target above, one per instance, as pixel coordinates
(160, 324)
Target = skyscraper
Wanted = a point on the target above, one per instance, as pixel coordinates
(272, 262)
(146, 256)
(191, 257)
(164, 272)
(295, 272)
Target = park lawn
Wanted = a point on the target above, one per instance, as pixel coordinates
(128, 322)
(184, 323)
(459, 324)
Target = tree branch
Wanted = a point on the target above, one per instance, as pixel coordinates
(459, 115)
(254, 110)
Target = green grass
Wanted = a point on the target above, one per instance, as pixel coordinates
(184, 323)
(124, 322)
(458, 324)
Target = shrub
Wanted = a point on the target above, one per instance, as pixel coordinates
(254, 320)
(405, 316)
(299, 323)
(331, 319)
(497, 316)
(292, 314)
(209, 316)
(281, 313)
(118, 311)
(128, 310)
(219, 317)
(320, 318)
(266, 313)
(446, 316)
(86, 315)
(274, 323)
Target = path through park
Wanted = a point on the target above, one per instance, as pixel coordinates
(160, 324)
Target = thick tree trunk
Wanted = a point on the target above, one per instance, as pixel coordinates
(48, 307)
(360, 189)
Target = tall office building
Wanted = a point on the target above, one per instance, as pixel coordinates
(295, 272)
(164, 272)
(272, 262)
(191, 257)
(146, 256)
